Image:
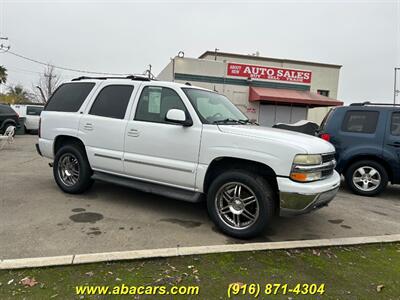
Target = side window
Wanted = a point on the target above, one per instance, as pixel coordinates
(33, 110)
(395, 125)
(112, 101)
(360, 121)
(155, 102)
(69, 97)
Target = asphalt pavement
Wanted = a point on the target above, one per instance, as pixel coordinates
(37, 219)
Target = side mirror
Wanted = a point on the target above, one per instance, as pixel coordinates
(178, 116)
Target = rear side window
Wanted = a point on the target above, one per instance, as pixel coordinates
(360, 121)
(112, 101)
(395, 125)
(69, 97)
(5, 109)
(34, 110)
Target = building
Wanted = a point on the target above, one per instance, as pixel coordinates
(267, 90)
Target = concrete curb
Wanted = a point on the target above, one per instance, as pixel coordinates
(181, 251)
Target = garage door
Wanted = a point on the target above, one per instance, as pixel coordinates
(272, 114)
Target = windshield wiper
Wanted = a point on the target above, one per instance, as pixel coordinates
(227, 120)
(230, 120)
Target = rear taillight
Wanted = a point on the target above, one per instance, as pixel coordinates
(325, 136)
(40, 123)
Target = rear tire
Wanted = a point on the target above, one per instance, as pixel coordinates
(366, 178)
(240, 203)
(71, 170)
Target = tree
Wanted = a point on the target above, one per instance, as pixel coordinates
(48, 83)
(17, 94)
(3, 74)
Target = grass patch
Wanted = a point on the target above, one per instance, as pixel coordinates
(347, 272)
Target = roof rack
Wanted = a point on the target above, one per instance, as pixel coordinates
(129, 77)
(373, 104)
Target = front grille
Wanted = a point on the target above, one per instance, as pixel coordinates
(328, 157)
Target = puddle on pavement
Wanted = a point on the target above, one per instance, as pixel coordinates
(337, 221)
(379, 213)
(183, 223)
(78, 210)
(346, 226)
(86, 217)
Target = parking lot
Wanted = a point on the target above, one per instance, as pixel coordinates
(37, 219)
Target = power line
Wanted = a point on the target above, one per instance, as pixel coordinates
(63, 68)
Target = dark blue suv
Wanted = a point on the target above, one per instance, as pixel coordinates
(367, 141)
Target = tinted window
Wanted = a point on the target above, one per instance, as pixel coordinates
(112, 101)
(360, 121)
(34, 110)
(69, 97)
(395, 126)
(5, 109)
(155, 102)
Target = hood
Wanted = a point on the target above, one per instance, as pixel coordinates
(309, 144)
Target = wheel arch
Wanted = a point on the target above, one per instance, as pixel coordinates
(62, 140)
(374, 158)
(225, 163)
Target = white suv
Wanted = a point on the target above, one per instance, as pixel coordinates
(184, 142)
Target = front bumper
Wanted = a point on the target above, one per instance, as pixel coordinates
(299, 198)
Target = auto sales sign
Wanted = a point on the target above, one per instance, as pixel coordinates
(269, 73)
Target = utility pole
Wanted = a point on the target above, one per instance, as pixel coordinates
(4, 48)
(395, 90)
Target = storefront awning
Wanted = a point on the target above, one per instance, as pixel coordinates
(283, 96)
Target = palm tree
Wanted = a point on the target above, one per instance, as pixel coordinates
(3, 75)
(18, 94)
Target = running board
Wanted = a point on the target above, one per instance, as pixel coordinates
(148, 187)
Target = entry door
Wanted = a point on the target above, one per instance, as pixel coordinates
(392, 141)
(102, 128)
(156, 150)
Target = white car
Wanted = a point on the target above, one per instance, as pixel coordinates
(31, 113)
(184, 142)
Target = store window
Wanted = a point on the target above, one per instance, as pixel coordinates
(323, 92)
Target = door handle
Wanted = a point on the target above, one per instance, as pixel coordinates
(88, 126)
(395, 144)
(133, 132)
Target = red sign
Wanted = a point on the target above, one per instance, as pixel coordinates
(269, 73)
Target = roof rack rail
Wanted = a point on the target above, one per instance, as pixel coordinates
(129, 77)
(373, 104)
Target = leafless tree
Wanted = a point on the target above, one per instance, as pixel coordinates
(48, 82)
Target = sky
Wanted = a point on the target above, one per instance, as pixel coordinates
(127, 36)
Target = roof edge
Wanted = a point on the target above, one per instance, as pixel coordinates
(237, 55)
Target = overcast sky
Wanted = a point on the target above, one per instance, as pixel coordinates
(126, 36)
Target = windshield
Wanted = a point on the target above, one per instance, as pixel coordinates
(214, 108)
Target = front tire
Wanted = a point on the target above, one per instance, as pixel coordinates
(240, 203)
(71, 170)
(366, 178)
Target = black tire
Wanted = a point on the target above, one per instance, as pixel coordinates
(84, 180)
(263, 195)
(370, 190)
(6, 126)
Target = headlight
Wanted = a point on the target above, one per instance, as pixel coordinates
(307, 159)
(306, 168)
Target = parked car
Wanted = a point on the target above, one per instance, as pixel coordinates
(187, 143)
(31, 113)
(367, 141)
(8, 117)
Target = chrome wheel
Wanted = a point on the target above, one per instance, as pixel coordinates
(366, 178)
(237, 205)
(68, 169)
